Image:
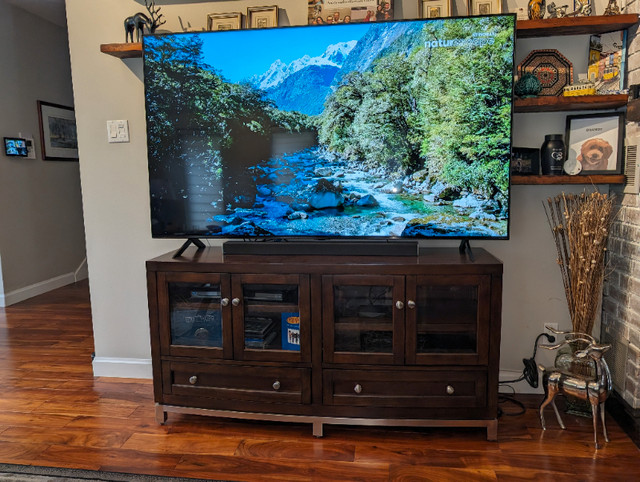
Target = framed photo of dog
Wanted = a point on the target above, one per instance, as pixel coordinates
(595, 142)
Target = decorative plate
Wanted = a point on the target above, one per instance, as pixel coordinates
(552, 69)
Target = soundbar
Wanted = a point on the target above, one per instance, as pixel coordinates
(335, 248)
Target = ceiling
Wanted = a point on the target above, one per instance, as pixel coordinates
(51, 10)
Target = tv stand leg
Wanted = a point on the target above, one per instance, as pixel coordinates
(317, 429)
(465, 248)
(199, 244)
(161, 415)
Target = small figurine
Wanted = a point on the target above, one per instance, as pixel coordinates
(138, 21)
(612, 8)
(536, 9)
(557, 12)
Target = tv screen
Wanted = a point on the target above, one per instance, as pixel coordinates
(397, 129)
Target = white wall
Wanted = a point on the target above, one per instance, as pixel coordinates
(41, 225)
(115, 195)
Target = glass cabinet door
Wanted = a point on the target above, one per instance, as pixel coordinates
(363, 319)
(270, 320)
(195, 305)
(443, 319)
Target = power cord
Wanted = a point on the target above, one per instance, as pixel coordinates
(529, 373)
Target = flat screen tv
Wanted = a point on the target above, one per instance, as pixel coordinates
(397, 129)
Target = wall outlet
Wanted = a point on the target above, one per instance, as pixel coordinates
(550, 325)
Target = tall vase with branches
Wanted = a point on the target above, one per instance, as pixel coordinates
(581, 224)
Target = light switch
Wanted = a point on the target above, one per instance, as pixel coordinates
(118, 131)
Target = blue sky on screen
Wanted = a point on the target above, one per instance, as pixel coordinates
(240, 54)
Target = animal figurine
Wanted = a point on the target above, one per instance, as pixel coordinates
(595, 390)
(557, 12)
(138, 21)
(583, 10)
(536, 9)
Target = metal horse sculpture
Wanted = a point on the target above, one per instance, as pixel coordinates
(595, 390)
(137, 22)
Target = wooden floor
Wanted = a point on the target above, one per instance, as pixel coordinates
(53, 412)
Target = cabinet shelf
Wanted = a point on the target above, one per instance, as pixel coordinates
(559, 103)
(595, 179)
(123, 51)
(593, 25)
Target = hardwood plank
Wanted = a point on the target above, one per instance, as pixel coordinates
(275, 449)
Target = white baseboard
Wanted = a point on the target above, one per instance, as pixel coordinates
(36, 289)
(122, 367)
(519, 387)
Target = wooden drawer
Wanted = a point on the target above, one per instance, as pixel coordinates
(238, 382)
(386, 388)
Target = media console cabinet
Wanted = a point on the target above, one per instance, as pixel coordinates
(358, 340)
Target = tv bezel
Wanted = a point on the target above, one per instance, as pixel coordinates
(315, 238)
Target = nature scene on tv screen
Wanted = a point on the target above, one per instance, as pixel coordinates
(391, 129)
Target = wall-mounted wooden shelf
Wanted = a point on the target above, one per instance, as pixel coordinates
(575, 25)
(559, 103)
(542, 180)
(123, 51)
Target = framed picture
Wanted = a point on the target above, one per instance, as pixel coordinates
(525, 160)
(58, 135)
(435, 8)
(262, 17)
(224, 21)
(485, 7)
(595, 142)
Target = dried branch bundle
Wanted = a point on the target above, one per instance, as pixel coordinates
(580, 224)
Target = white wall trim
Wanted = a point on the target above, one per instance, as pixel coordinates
(36, 289)
(122, 367)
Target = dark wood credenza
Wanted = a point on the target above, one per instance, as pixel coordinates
(372, 340)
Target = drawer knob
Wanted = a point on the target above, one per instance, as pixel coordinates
(399, 305)
(411, 304)
(276, 385)
(193, 380)
(235, 301)
(450, 390)
(357, 388)
(224, 301)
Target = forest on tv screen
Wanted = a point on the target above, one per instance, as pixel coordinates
(423, 107)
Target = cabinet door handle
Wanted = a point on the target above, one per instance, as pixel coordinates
(193, 380)
(276, 385)
(235, 301)
(399, 304)
(357, 388)
(411, 304)
(450, 390)
(224, 301)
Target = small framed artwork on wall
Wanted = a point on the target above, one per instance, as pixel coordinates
(224, 21)
(485, 7)
(434, 8)
(58, 135)
(595, 142)
(262, 17)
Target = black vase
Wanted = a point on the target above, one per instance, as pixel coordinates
(552, 154)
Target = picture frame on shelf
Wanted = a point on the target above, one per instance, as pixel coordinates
(262, 17)
(484, 7)
(58, 133)
(525, 161)
(224, 21)
(595, 142)
(434, 8)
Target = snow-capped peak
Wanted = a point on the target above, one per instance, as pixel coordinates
(333, 56)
